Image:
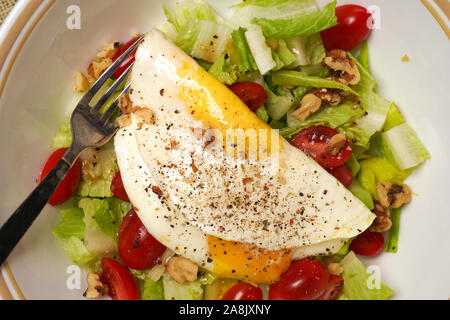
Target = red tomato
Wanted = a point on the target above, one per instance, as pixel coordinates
(343, 174)
(120, 282)
(243, 291)
(368, 243)
(334, 289)
(137, 247)
(314, 142)
(305, 279)
(128, 61)
(352, 28)
(70, 183)
(118, 189)
(252, 94)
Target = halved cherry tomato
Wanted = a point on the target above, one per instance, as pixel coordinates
(252, 94)
(305, 279)
(70, 183)
(120, 282)
(343, 174)
(334, 289)
(314, 142)
(128, 61)
(352, 28)
(368, 243)
(138, 249)
(243, 291)
(118, 189)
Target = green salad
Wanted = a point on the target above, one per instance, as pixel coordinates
(309, 89)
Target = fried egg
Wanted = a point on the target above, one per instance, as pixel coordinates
(217, 185)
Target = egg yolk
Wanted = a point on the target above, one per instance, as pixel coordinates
(237, 260)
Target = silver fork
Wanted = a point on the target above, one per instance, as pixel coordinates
(90, 129)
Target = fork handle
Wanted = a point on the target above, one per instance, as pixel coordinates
(19, 222)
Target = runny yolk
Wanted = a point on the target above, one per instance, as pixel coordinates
(237, 260)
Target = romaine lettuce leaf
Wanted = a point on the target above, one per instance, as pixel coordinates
(259, 49)
(63, 138)
(394, 118)
(153, 290)
(246, 61)
(186, 291)
(392, 240)
(407, 149)
(376, 170)
(223, 71)
(358, 283)
(71, 224)
(362, 194)
(301, 25)
(363, 57)
(185, 11)
(77, 251)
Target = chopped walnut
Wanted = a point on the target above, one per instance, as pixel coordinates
(393, 195)
(343, 68)
(310, 104)
(382, 222)
(81, 83)
(124, 120)
(144, 114)
(336, 143)
(335, 268)
(96, 68)
(125, 104)
(329, 96)
(182, 269)
(109, 51)
(96, 288)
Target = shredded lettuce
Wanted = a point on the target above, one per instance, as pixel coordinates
(223, 71)
(285, 54)
(278, 105)
(296, 79)
(259, 49)
(263, 114)
(359, 284)
(77, 251)
(353, 165)
(104, 214)
(392, 241)
(71, 224)
(334, 117)
(362, 194)
(246, 62)
(301, 25)
(63, 138)
(376, 170)
(185, 11)
(186, 291)
(153, 290)
(407, 150)
(99, 168)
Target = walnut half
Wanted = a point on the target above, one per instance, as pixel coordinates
(309, 104)
(336, 143)
(382, 222)
(393, 195)
(343, 68)
(182, 269)
(96, 288)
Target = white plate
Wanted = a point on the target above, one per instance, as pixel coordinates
(38, 96)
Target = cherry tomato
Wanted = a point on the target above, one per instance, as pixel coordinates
(315, 140)
(334, 289)
(118, 189)
(243, 291)
(352, 28)
(70, 183)
(305, 279)
(120, 282)
(138, 249)
(368, 243)
(128, 61)
(343, 174)
(252, 94)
